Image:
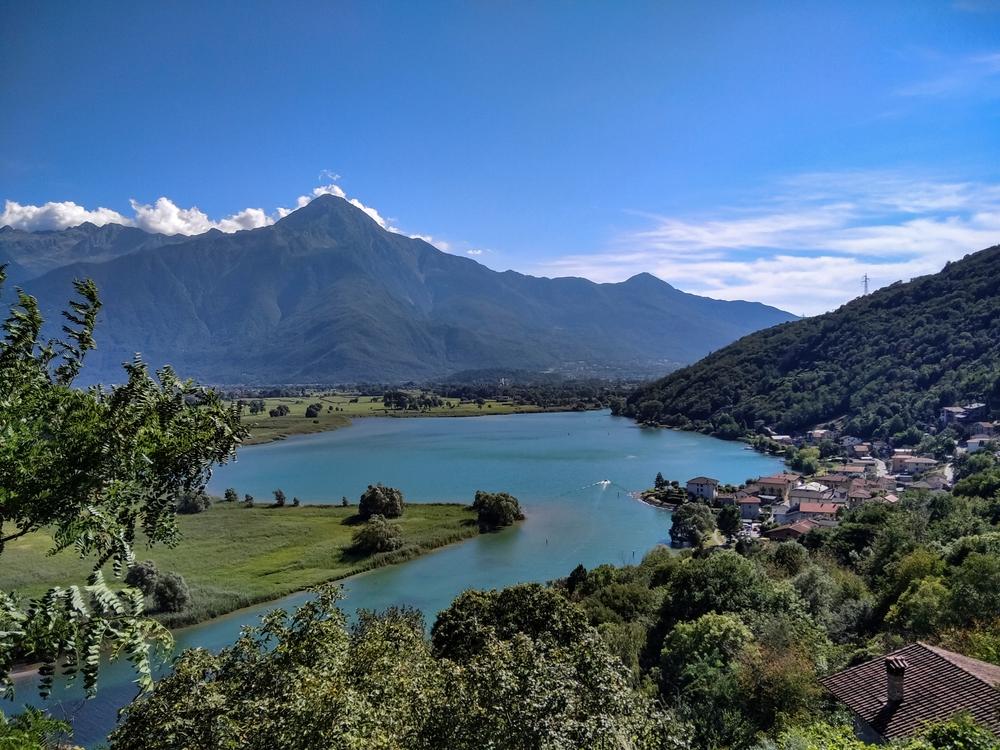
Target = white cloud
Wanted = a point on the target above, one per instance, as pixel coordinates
(970, 74)
(474, 252)
(56, 216)
(805, 246)
(167, 217)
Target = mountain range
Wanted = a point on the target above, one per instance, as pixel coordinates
(326, 295)
(879, 365)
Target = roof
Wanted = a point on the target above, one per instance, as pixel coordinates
(703, 480)
(919, 460)
(799, 527)
(777, 479)
(937, 685)
(749, 500)
(819, 508)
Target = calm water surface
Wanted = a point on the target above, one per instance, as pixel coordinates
(572, 473)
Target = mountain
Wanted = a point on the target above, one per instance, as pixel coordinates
(327, 295)
(885, 361)
(32, 254)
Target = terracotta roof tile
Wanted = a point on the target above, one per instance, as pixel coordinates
(937, 685)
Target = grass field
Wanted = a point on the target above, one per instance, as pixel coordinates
(232, 557)
(339, 409)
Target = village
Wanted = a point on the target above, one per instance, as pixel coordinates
(788, 505)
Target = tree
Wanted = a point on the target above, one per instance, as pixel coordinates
(975, 588)
(307, 680)
(313, 411)
(729, 521)
(344, 502)
(172, 593)
(230, 495)
(381, 500)
(496, 510)
(279, 498)
(296, 502)
(93, 466)
(377, 535)
(691, 524)
(659, 483)
(193, 502)
(248, 500)
(143, 576)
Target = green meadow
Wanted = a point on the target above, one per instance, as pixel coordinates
(233, 557)
(340, 408)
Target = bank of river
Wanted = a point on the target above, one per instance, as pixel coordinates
(573, 473)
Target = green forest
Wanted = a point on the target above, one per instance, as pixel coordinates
(882, 363)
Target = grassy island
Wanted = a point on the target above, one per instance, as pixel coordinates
(233, 557)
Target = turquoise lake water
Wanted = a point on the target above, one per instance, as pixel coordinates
(571, 471)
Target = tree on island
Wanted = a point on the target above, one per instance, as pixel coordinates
(496, 510)
(93, 467)
(692, 524)
(660, 483)
(377, 535)
(381, 500)
(729, 521)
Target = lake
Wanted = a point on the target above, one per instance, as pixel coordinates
(571, 471)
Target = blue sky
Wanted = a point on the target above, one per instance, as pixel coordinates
(769, 151)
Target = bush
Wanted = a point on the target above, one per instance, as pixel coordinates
(143, 576)
(231, 496)
(248, 501)
(378, 535)
(380, 500)
(313, 410)
(279, 498)
(193, 502)
(496, 509)
(172, 593)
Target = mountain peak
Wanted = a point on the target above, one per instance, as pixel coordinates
(646, 280)
(326, 209)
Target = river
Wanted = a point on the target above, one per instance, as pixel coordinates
(571, 471)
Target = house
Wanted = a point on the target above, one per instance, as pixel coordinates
(984, 428)
(781, 513)
(918, 465)
(810, 492)
(818, 436)
(789, 531)
(725, 499)
(839, 482)
(749, 508)
(862, 450)
(818, 510)
(703, 487)
(898, 457)
(892, 697)
(777, 486)
(951, 415)
(977, 442)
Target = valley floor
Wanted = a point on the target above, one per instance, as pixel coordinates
(338, 410)
(234, 557)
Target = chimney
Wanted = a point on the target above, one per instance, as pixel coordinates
(895, 669)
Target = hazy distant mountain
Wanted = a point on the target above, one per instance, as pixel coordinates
(31, 254)
(326, 295)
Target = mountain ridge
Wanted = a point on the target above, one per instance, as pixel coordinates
(327, 295)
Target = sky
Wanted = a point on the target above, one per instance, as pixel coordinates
(766, 151)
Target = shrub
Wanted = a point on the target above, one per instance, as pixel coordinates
(172, 593)
(377, 535)
(380, 500)
(193, 502)
(496, 509)
(143, 576)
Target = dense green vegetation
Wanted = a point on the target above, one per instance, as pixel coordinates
(884, 362)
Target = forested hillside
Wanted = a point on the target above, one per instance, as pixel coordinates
(884, 361)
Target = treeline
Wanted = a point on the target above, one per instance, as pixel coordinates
(885, 362)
